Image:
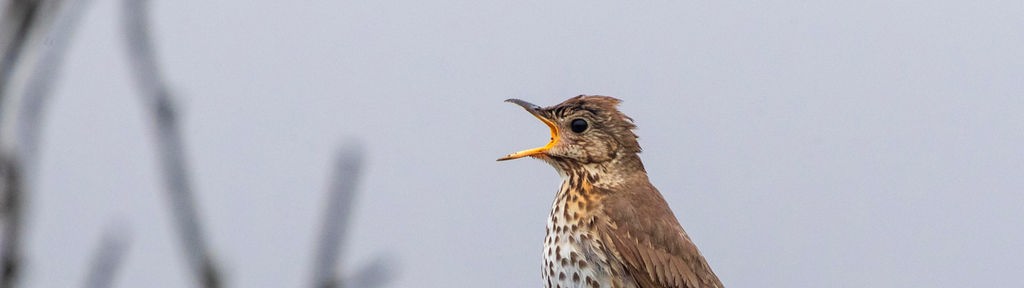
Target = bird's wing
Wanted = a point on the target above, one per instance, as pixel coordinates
(644, 234)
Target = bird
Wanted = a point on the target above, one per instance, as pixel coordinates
(608, 225)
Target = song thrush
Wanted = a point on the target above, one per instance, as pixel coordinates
(608, 227)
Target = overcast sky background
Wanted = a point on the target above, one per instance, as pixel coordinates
(801, 144)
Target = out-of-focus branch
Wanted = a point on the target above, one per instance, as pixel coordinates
(334, 232)
(20, 26)
(19, 16)
(17, 22)
(342, 191)
(45, 72)
(158, 100)
(108, 258)
(11, 183)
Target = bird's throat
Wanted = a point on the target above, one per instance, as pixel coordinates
(577, 196)
(623, 169)
(571, 235)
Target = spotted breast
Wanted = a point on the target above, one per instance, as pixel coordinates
(573, 252)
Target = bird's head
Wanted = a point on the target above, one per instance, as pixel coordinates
(584, 130)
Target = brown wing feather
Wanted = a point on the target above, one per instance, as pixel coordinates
(644, 234)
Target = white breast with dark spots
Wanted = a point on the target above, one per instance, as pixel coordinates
(570, 253)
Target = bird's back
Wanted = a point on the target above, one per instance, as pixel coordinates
(643, 235)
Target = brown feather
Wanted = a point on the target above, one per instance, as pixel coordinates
(646, 237)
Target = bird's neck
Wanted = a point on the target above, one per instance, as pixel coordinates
(621, 170)
(585, 186)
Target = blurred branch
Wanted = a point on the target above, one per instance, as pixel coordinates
(11, 181)
(108, 258)
(19, 16)
(157, 97)
(22, 19)
(336, 217)
(46, 71)
(334, 232)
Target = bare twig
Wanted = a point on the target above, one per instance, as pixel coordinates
(336, 217)
(158, 99)
(108, 258)
(19, 17)
(45, 73)
(10, 173)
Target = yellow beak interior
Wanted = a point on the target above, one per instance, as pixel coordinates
(538, 150)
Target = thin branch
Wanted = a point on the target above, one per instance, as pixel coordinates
(336, 217)
(158, 99)
(108, 258)
(20, 17)
(20, 14)
(40, 83)
(11, 181)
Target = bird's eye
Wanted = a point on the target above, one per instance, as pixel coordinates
(578, 125)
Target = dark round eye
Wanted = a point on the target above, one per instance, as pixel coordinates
(578, 125)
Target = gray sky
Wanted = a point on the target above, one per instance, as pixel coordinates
(821, 144)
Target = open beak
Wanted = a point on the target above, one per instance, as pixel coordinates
(535, 111)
